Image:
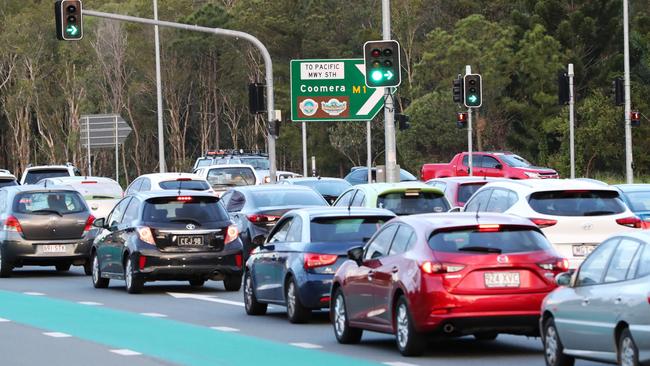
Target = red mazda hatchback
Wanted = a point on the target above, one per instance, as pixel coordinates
(447, 275)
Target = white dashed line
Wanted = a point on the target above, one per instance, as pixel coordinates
(57, 335)
(34, 293)
(397, 363)
(154, 315)
(125, 352)
(225, 329)
(90, 303)
(306, 345)
(3, 320)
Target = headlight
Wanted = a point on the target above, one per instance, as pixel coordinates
(532, 175)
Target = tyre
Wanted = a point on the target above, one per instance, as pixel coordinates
(88, 267)
(197, 283)
(134, 284)
(409, 341)
(628, 353)
(487, 336)
(553, 348)
(296, 311)
(98, 281)
(5, 266)
(339, 314)
(250, 301)
(232, 283)
(62, 267)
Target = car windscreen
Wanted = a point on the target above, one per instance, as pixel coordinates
(345, 229)
(515, 161)
(190, 185)
(465, 191)
(475, 241)
(61, 203)
(413, 202)
(288, 197)
(577, 203)
(404, 176)
(638, 201)
(257, 163)
(325, 187)
(8, 182)
(230, 177)
(184, 210)
(33, 176)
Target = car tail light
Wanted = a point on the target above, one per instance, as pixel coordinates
(313, 260)
(238, 260)
(183, 198)
(489, 227)
(146, 235)
(231, 234)
(325, 299)
(645, 225)
(89, 223)
(142, 262)
(12, 224)
(89, 182)
(183, 179)
(557, 265)
(433, 267)
(256, 218)
(542, 223)
(633, 221)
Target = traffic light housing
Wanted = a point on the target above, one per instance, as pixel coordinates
(382, 61)
(69, 20)
(635, 119)
(619, 91)
(457, 90)
(563, 88)
(256, 100)
(274, 127)
(402, 121)
(472, 90)
(461, 120)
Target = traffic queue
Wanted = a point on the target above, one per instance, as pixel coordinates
(564, 260)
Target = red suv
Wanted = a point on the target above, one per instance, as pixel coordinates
(445, 274)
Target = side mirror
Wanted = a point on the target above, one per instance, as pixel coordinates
(100, 223)
(498, 166)
(356, 254)
(259, 240)
(455, 209)
(563, 279)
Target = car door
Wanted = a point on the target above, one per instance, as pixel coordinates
(491, 167)
(109, 257)
(288, 251)
(133, 187)
(500, 201)
(359, 282)
(267, 286)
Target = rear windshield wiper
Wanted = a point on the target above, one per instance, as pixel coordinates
(479, 249)
(598, 213)
(45, 210)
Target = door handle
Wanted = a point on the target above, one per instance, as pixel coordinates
(395, 269)
(274, 257)
(618, 300)
(585, 302)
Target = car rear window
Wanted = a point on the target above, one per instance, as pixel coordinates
(33, 176)
(8, 182)
(190, 185)
(465, 191)
(279, 197)
(577, 203)
(61, 203)
(230, 177)
(345, 229)
(413, 202)
(325, 187)
(474, 241)
(184, 209)
(639, 201)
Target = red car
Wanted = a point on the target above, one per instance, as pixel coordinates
(448, 275)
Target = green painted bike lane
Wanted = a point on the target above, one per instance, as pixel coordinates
(165, 339)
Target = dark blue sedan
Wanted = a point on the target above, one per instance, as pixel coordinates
(295, 265)
(637, 198)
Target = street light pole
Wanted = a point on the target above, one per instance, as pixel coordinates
(629, 174)
(392, 175)
(161, 133)
(572, 154)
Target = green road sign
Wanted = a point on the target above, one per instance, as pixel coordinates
(333, 90)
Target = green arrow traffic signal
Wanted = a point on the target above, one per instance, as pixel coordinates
(382, 61)
(472, 99)
(72, 30)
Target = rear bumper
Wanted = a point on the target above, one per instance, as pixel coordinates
(187, 266)
(314, 290)
(20, 251)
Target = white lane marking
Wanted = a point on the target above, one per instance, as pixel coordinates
(34, 293)
(180, 295)
(225, 329)
(306, 345)
(125, 352)
(397, 363)
(56, 335)
(154, 315)
(90, 303)
(3, 320)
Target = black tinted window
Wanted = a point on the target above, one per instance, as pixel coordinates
(345, 229)
(183, 210)
(33, 176)
(489, 162)
(506, 240)
(279, 197)
(191, 185)
(577, 203)
(49, 202)
(413, 202)
(465, 191)
(8, 182)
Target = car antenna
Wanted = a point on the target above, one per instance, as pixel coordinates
(477, 210)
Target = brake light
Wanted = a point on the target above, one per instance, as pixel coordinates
(489, 227)
(183, 198)
(645, 225)
(142, 262)
(542, 223)
(633, 221)
(89, 182)
(146, 235)
(557, 265)
(183, 179)
(432, 267)
(256, 218)
(12, 224)
(231, 234)
(238, 260)
(313, 260)
(89, 223)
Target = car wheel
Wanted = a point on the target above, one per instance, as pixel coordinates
(409, 341)
(88, 267)
(197, 283)
(98, 281)
(553, 348)
(250, 301)
(62, 267)
(338, 313)
(232, 283)
(487, 336)
(133, 283)
(5, 266)
(296, 311)
(628, 353)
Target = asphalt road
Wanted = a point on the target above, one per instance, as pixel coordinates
(60, 319)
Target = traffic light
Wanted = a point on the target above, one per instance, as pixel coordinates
(619, 91)
(461, 120)
(256, 101)
(458, 90)
(274, 128)
(563, 88)
(382, 60)
(402, 121)
(635, 119)
(473, 90)
(69, 21)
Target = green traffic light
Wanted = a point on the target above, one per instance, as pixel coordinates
(72, 30)
(472, 99)
(376, 75)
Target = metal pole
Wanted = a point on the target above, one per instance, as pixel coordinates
(369, 152)
(304, 150)
(268, 65)
(117, 151)
(628, 104)
(571, 123)
(90, 165)
(161, 132)
(470, 157)
(392, 175)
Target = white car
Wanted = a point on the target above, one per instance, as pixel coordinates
(34, 174)
(101, 194)
(7, 179)
(223, 177)
(168, 181)
(575, 215)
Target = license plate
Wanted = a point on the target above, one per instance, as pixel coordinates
(53, 248)
(582, 250)
(189, 241)
(501, 279)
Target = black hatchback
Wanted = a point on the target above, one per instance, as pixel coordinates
(166, 235)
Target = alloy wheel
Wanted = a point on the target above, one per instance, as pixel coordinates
(627, 352)
(551, 345)
(291, 299)
(248, 292)
(402, 326)
(340, 317)
(95, 269)
(128, 273)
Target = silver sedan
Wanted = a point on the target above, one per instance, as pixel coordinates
(602, 311)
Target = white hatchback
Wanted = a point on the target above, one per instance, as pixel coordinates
(168, 181)
(101, 194)
(575, 215)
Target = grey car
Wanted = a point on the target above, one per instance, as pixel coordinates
(602, 311)
(44, 226)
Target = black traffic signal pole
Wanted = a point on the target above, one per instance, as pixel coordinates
(268, 64)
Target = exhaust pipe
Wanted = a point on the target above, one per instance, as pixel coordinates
(448, 328)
